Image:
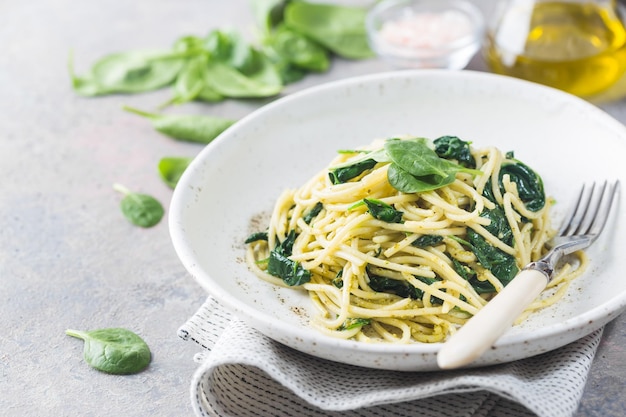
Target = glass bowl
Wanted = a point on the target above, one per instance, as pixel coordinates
(425, 33)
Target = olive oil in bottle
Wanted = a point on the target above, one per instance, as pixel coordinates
(579, 47)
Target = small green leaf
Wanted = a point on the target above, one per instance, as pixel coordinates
(230, 82)
(255, 237)
(186, 127)
(311, 214)
(427, 240)
(451, 147)
(341, 29)
(383, 211)
(140, 209)
(114, 350)
(298, 50)
(190, 83)
(171, 169)
(128, 72)
(291, 272)
(403, 181)
(417, 168)
(353, 323)
(344, 173)
(268, 13)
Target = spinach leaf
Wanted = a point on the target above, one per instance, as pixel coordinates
(427, 240)
(414, 158)
(394, 286)
(383, 211)
(230, 82)
(128, 72)
(403, 181)
(190, 84)
(338, 280)
(341, 29)
(268, 13)
(529, 184)
(341, 174)
(114, 350)
(451, 147)
(279, 265)
(298, 50)
(140, 209)
(317, 208)
(231, 48)
(465, 272)
(254, 237)
(171, 169)
(190, 128)
(502, 265)
(399, 287)
(353, 323)
(236, 69)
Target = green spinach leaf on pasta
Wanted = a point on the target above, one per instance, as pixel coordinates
(383, 211)
(427, 240)
(279, 264)
(502, 265)
(451, 147)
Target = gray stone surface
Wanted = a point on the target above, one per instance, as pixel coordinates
(67, 257)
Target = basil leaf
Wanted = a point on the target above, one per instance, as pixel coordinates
(186, 127)
(341, 29)
(383, 211)
(140, 209)
(172, 168)
(114, 350)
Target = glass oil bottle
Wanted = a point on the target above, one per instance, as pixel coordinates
(578, 46)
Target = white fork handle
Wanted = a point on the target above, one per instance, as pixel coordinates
(482, 330)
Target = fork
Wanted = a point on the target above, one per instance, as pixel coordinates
(580, 229)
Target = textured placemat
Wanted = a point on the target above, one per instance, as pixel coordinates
(243, 373)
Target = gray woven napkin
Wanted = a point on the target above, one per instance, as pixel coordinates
(243, 373)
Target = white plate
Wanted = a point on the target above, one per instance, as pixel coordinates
(566, 140)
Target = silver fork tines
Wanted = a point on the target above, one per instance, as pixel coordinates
(581, 228)
(591, 211)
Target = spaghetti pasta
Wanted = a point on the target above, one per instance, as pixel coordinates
(405, 240)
